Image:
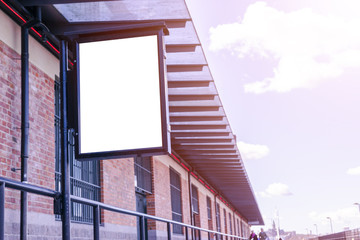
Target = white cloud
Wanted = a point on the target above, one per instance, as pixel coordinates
(252, 151)
(309, 48)
(275, 190)
(348, 216)
(354, 171)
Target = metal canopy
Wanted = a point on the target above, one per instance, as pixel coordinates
(200, 131)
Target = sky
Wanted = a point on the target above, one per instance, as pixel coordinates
(288, 72)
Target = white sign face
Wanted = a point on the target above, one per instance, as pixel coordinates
(120, 107)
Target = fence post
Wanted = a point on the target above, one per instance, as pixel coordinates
(96, 228)
(169, 231)
(209, 235)
(2, 210)
(186, 233)
(142, 227)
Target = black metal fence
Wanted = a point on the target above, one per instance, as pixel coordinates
(95, 208)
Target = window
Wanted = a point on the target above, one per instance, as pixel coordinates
(175, 191)
(210, 224)
(238, 224)
(194, 199)
(84, 176)
(195, 211)
(225, 225)
(235, 231)
(208, 201)
(142, 169)
(230, 224)
(242, 229)
(218, 223)
(85, 183)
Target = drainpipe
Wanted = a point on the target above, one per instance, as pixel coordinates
(24, 125)
(25, 121)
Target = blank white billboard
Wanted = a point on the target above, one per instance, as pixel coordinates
(119, 95)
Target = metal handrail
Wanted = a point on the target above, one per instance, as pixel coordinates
(4, 182)
(22, 186)
(143, 215)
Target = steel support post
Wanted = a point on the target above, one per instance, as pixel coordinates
(65, 171)
(2, 210)
(142, 227)
(96, 211)
(169, 230)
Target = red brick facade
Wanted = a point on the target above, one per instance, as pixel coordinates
(118, 189)
(41, 134)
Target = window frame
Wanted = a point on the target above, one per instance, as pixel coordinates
(195, 200)
(177, 229)
(218, 217)
(208, 207)
(143, 182)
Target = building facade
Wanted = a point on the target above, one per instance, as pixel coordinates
(173, 186)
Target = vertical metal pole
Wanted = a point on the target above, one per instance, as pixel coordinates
(199, 234)
(142, 227)
(169, 230)
(65, 172)
(2, 210)
(96, 210)
(186, 233)
(209, 235)
(24, 126)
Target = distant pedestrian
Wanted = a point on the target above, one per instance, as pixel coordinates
(253, 236)
(262, 235)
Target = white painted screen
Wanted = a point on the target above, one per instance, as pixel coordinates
(119, 95)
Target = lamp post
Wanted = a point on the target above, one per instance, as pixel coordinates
(358, 204)
(332, 231)
(316, 229)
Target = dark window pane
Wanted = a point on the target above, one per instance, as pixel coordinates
(208, 201)
(195, 199)
(143, 173)
(218, 223)
(175, 191)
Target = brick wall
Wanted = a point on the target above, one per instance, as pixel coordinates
(118, 189)
(41, 163)
(10, 119)
(159, 202)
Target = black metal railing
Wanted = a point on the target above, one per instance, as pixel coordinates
(80, 212)
(96, 206)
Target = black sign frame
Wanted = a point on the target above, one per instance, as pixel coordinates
(127, 32)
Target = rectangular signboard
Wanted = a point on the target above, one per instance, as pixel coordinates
(122, 100)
